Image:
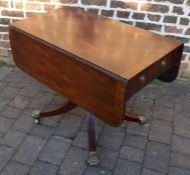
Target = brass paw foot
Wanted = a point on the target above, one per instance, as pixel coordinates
(36, 116)
(92, 159)
(143, 120)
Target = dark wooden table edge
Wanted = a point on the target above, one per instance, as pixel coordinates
(104, 71)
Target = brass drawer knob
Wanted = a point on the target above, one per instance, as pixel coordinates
(142, 78)
(163, 63)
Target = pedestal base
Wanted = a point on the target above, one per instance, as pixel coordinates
(67, 106)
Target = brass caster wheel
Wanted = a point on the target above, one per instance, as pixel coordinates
(37, 121)
(92, 159)
(143, 120)
(36, 116)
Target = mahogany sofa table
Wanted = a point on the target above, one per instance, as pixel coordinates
(97, 63)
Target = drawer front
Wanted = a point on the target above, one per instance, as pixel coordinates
(151, 73)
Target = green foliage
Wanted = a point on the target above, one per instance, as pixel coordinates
(158, 82)
(3, 63)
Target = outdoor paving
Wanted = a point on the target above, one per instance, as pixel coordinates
(59, 144)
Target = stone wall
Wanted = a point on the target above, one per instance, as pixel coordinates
(166, 17)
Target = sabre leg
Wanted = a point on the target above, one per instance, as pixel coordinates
(134, 117)
(61, 109)
(92, 159)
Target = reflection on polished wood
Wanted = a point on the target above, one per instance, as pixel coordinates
(98, 40)
(95, 62)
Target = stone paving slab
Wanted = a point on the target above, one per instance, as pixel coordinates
(58, 146)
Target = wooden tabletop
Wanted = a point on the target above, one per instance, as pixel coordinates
(116, 47)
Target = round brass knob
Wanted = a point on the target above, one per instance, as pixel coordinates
(142, 78)
(163, 63)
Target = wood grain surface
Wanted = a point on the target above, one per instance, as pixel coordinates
(82, 84)
(116, 47)
(96, 62)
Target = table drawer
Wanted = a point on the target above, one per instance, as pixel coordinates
(151, 72)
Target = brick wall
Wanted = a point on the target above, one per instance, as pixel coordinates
(167, 17)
